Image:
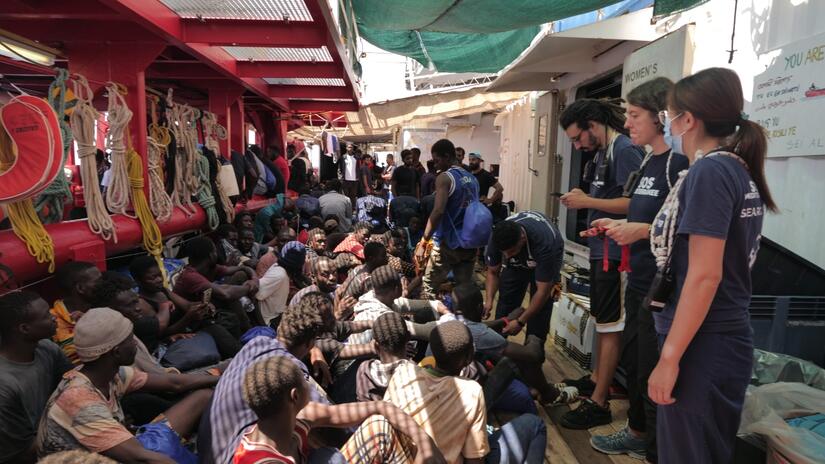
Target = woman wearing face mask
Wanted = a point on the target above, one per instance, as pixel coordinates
(706, 237)
(647, 190)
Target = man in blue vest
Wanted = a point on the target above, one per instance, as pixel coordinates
(441, 233)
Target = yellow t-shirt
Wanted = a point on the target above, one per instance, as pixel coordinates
(64, 336)
(450, 409)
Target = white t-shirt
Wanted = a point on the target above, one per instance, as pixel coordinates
(350, 167)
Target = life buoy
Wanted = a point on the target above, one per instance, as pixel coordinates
(32, 127)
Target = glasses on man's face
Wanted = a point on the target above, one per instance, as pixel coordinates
(664, 116)
(577, 138)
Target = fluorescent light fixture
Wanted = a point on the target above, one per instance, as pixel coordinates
(22, 52)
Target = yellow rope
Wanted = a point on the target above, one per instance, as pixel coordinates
(24, 220)
(152, 239)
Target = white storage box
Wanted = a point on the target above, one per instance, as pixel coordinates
(572, 329)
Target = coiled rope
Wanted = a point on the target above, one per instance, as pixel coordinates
(83, 120)
(159, 137)
(152, 239)
(24, 220)
(119, 116)
(54, 196)
(184, 162)
(205, 198)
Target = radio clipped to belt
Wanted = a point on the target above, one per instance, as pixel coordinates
(624, 264)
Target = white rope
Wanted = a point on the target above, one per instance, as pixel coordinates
(184, 161)
(83, 120)
(119, 115)
(159, 201)
(661, 242)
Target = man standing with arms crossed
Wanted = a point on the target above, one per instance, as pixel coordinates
(596, 126)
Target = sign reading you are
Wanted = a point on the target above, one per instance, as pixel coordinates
(789, 97)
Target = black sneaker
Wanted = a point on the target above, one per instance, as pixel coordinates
(583, 384)
(587, 415)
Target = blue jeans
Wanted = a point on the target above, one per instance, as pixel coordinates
(522, 440)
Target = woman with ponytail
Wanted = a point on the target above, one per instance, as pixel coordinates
(705, 240)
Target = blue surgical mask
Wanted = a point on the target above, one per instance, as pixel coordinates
(673, 141)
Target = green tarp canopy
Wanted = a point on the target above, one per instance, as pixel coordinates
(466, 35)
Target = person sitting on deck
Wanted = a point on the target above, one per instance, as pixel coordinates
(452, 410)
(358, 280)
(279, 396)
(31, 366)
(173, 311)
(230, 295)
(251, 251)
(385, 297)
(229, 415)
(390, 337)
(76, 281)
(227, 245)
(354, 242)
(317, 244)
(491, 345)
(323, 275)
(85, 412)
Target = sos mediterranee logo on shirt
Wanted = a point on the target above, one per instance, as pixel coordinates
(752, 211)
(645, 187)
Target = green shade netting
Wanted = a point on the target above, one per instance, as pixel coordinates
(663, 8)
(467, 35)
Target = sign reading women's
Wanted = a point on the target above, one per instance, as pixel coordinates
(789, 98)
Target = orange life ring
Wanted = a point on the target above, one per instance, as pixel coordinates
(32, 126)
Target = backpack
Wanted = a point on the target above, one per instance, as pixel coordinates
(478, 221)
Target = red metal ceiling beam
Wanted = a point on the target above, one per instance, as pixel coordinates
(38, 10)
(310, 106)
(309, 91)
(195, 70)
(288, 69)
(56, 31)
(159, 19)
(320, 11)
(253, 33)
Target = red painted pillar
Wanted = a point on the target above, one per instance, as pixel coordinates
(220, 102)
(237, 132)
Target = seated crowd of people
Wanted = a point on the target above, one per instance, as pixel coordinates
(300, 333)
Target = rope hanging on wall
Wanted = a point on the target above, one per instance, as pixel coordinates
(157, 140)
(205, 198)
(82, 121)
(152, 239)
(119, 116)
(50, 203)
(184, 161)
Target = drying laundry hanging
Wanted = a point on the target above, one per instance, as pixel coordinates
(82, 120)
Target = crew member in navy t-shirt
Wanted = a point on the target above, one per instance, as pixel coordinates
(596, 125)
(530, 250)
(706, 343)
(640, 349)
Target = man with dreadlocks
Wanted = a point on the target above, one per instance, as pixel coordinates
(598, 126)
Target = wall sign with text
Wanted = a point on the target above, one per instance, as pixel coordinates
(789, 98)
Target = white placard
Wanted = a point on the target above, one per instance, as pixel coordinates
(789, 98)
(670, 56)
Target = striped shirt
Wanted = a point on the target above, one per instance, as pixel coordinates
(257, 448)
(229, 415)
